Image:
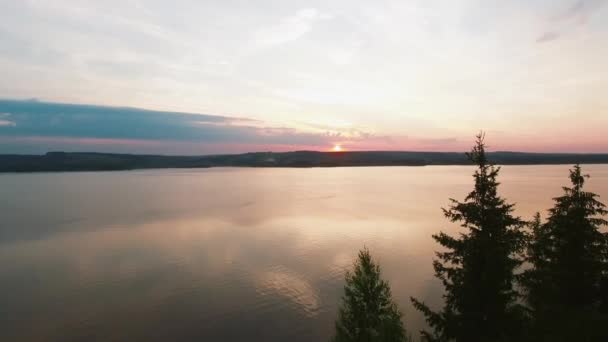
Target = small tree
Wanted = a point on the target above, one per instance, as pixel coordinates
(567, 278)
(477, 267)
(368, 313)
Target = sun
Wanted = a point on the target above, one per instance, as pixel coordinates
(337, 148)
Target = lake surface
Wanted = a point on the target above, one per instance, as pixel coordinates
(226, 254)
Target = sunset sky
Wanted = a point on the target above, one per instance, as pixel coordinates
(200, 77)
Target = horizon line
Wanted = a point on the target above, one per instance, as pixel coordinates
(296, 151)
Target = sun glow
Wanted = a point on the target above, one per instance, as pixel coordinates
(337, 148)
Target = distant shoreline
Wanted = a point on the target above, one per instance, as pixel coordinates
(89, 161)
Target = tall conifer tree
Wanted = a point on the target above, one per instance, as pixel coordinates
(477, 267)
(566, 282)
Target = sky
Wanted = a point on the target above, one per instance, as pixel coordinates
(228, 76)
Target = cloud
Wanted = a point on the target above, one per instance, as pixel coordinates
(6, 123)
(290, 28)
(574, 10)
(580, 11)
(547, 37)
(575, 16)
(75, 126)
(39, 127)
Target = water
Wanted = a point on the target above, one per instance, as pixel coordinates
(225, 254)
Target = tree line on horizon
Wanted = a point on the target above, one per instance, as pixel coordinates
(504, 279)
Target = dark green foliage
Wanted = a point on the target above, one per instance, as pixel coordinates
(566, 282)
(368, 313)
(477, 267)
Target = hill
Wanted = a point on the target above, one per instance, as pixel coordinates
(84, 161)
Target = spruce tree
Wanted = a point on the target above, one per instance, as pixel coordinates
(477, 267)
(368, 313)
(566, 282)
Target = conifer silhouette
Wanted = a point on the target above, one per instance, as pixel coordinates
(477, 267)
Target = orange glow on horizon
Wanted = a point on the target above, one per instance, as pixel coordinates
(337, 148)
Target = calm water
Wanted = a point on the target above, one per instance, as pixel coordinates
(225, 254)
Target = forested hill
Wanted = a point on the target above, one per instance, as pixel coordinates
(83, 161)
